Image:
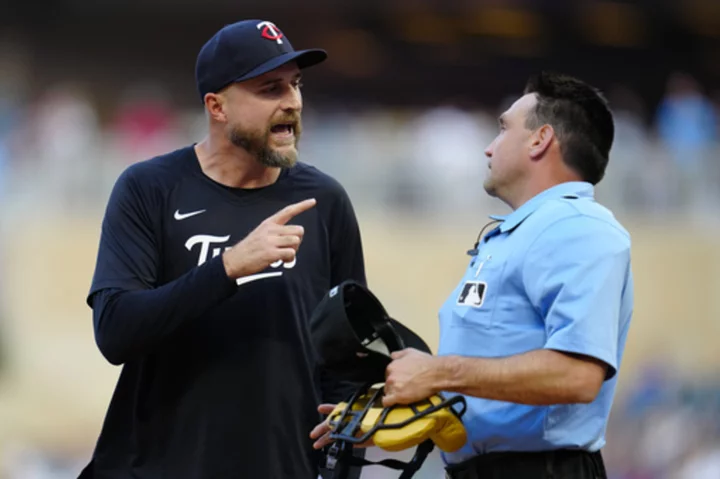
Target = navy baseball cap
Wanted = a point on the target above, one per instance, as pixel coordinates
(245, 50)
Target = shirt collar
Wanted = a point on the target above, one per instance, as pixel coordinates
(571, 189)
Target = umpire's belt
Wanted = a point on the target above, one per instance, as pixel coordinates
(516, 464)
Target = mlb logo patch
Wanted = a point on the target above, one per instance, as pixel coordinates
(472, 294)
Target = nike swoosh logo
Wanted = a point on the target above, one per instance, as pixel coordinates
(255, 277)
(181, 216)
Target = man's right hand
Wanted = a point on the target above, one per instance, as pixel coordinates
(321, 432)
(271, 241)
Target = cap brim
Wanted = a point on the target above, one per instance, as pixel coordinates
(371, 366)
(409, 337)
(342, 323)
(303, 58)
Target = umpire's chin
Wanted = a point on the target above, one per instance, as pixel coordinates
(489, 185)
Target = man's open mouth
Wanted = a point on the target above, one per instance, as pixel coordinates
(286, 128)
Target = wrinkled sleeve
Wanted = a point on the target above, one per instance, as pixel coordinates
(575, 273)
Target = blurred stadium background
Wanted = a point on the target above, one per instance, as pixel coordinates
(400, 114)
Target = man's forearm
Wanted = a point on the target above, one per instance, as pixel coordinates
(538, 377)
(129, 323)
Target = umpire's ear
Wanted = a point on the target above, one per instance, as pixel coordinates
(541, 140)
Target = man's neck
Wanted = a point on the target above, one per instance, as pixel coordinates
(232, 166)
(531, 190)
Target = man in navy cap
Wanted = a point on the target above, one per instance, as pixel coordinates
(211, 260)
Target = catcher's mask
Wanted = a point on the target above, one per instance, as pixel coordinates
(354, 337)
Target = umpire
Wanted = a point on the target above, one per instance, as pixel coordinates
(533, 334)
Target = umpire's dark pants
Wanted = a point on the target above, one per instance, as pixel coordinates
(560, 464)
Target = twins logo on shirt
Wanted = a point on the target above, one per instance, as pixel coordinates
(206, 241)
(472, 294)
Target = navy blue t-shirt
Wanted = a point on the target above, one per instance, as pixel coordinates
(219, 378)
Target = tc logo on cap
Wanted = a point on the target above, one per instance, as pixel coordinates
(270, 31)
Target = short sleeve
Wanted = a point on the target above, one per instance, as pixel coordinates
(575, 273)
(128, 253)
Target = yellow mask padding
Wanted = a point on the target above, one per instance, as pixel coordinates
(443, 427)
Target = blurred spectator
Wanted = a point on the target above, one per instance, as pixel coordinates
(59, 147)
(633, 179)
(448, 162)
(687, 124)
(686, 118)
(9, 114)
(665, 426)
(6, 122)
(703, 463)
(145, 123)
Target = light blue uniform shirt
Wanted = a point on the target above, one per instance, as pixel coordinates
(554, 274)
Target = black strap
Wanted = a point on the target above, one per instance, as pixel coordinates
(408, 468)
(391, 463)
(416, 463)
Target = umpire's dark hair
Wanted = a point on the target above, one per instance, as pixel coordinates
(581, 118)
